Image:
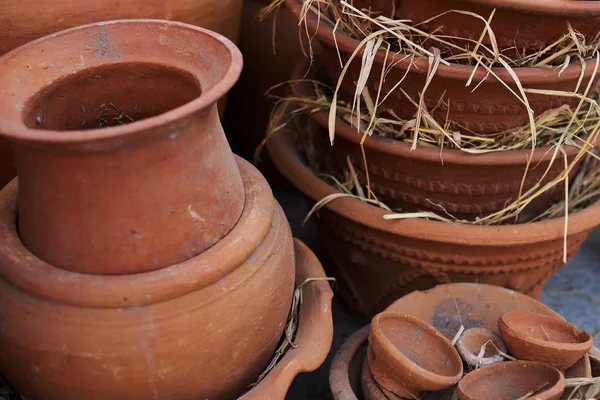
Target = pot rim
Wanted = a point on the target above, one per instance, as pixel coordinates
(400, 149)
(287, 160)
(526, 75)
(550, 345)
(23, 270)
(566, 8)
(554, 390)
(20, 132)
(400, 359)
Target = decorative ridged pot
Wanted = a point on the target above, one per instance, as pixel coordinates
(126, 198)
(490, 108)
(377, 261)
(203, 328)
(529, 26)
(465, 185)
(22, 21)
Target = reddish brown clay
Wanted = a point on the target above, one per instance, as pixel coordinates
(538, 337)
(7, 163)
(408, 356)
(377, 261)
(581, 369)
(126, 198)
(446, 307)
(315, 330)
(473, 340)
(194, 330)
(528, 26)
(465, 185)
(490, 108)
(512, 380)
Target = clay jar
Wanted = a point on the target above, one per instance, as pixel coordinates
(471, 342)
(488, 109)
(511, 380)
(204, 328)
(538, 337)
(133, 196)
(407, 356)
(465, 185)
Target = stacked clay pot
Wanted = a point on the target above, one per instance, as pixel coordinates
(377, 261)
(142, 260)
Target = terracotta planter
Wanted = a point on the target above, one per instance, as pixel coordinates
(376, 261)
(465, 185)
(198, 329)
(490, 108)
(538, 337)
(408, 356)
(470, 343)
(126, 198)
(528, 26)
(445, 307)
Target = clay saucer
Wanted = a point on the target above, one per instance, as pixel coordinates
(513, 380)
(538, 337)
(471, 342)
(407, 356)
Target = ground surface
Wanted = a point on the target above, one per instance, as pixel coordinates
(574, 292)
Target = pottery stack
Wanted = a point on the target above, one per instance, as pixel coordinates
(139, 258)
(377, 259)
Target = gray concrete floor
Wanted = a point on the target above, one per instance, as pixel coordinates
(574, 292)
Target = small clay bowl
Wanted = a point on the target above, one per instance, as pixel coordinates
(408, 356)
(538, 337)
(512, 380)
(472, 340)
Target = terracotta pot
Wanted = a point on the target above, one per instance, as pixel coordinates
(315, 331)
(131, 198)
(204, 328)
(512, 380)
(581, 369)
(471, 342)
(445, 307)
(490, 108)
(466, 185)
(538, 337)
(7, 163)
(528, 26)
(408, 356)
(377, 261)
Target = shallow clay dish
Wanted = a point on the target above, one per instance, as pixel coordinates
(465, 185)
(538, 337)
(512, 380)
(490, 108)
(377, 261)
(445, 307)
(408, 356)
(471, 342)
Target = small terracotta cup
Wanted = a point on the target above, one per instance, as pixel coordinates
(512, 380)
(538, 337)
(407, 356)
(472, 340)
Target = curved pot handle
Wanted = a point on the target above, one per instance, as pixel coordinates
(315, 330)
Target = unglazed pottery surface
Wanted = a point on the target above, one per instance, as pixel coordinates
(512, 380)
(476, 341)
(538, 337)
(488, 109)
(126, 198)
(377, 261)
(204, 328)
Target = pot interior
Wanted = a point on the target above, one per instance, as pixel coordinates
(544, 328)
(110, 95)
(475, 339)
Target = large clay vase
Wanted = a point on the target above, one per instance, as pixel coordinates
(201, 329)
(133, 196)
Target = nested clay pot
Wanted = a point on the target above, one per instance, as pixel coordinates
(203, 328)
(490, 108)
(446, 308)
(520, 26)
(512, 380)
(377, 261)
(407, 356)
(124, 166)
(429, 179)
(538, 337)
(476, 341)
